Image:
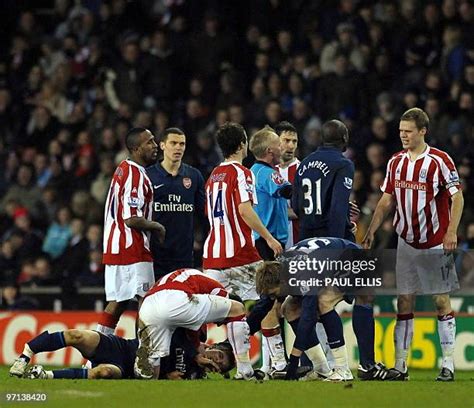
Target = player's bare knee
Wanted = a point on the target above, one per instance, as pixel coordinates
(106, 372)
(236, 309)
(102, 372)
(405, 304)
(116, 308)
(327, 301)
(73, 337)
(442, 303)
(365, 300)
(325, 305)
(291, 309)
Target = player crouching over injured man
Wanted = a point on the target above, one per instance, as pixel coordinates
(112, 357)
(302, 313)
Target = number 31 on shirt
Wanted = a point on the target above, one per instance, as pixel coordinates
(308, 196)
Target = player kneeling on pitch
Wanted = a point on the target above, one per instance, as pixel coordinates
(189, 299)
(112, 357)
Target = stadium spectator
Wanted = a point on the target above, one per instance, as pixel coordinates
(58, 234)
(346, 44)
(100, 185)
(13, 300)
(24, 190)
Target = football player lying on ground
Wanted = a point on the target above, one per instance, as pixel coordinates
(302, 313)
(189, 299)
(112, 357)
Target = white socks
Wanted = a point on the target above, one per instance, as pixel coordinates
(275, 348)
(318, 358)
(27, 351)
(238, 334)
(403, 335)
(266, 360)
(447, 336)
(341, 359)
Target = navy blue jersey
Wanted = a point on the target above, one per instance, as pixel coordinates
(176, 200)
(309, 304)
(121, 352)
(117, 351)
(181, 358)
(322, 186)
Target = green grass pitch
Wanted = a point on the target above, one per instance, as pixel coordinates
(420, 391)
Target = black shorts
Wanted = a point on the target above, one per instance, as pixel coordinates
(116, 351)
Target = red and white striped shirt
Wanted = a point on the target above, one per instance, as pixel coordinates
(288, 173)
(422, 189)
(190, 281)
(230, 242)
(130, 195)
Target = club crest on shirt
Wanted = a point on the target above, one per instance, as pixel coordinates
(277, 178)
(146, 287)
(187, 182)
(347, 183)
(423, 174)
(119, 172)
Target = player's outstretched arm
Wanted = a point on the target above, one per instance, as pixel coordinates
(251, 219)
(450, 239)
(381, 211)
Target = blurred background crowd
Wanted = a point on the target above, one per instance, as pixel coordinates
(75, 75)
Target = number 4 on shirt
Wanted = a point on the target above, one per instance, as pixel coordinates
(218, 211)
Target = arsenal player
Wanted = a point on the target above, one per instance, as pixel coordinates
(178, 196)
(424, 184)
(128, 211)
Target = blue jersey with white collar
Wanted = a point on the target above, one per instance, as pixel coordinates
(176, 200)
(272, 207)
(309, 304)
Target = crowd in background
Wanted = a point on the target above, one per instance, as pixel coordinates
(76, 75)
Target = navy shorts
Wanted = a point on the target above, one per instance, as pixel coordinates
(116, 351)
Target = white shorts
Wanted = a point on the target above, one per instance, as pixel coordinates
(124, 282)
(164, 311)
(239, 280)
(424, 271)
